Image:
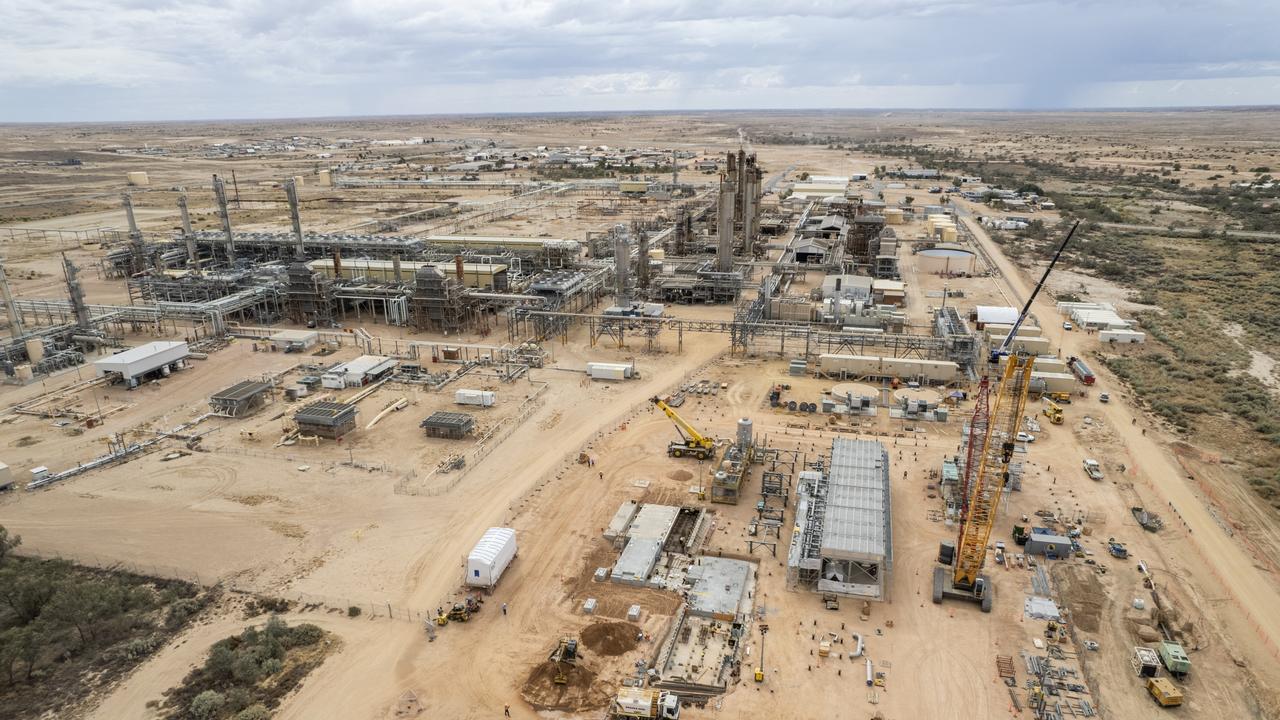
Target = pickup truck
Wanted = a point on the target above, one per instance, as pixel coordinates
(1093, 469)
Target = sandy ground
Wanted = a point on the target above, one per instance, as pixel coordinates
(251, 516)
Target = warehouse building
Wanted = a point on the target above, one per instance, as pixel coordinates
(155, 359)
(843, 542)
(448, 425)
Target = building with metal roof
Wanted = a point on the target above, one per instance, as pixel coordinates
(241, 399)
(449, 425)
(845, 538)
(326, 419)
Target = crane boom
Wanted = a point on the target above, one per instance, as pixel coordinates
(992, 433)
(694, 442)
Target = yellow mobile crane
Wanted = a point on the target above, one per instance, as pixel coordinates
(694, 443)
(992, 433)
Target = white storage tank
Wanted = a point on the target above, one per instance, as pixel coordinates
(744, 433)
(490, 557)
(483, 398)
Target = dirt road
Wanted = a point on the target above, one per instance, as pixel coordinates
(1222, 559)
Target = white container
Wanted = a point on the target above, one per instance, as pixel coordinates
(609, 371)
(491, 556)
(483, 398)
(333, 381)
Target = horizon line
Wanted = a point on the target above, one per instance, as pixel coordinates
(673, 112)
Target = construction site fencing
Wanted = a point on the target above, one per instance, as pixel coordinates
(351, 462)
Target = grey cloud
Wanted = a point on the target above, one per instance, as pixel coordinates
(139, 59)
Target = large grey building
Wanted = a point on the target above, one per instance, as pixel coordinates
(845, 539)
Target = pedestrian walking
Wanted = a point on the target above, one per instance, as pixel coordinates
(601, 476)
(506, 711)
(504, 608)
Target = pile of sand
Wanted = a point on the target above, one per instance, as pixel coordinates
(578, 693)
(610, 639)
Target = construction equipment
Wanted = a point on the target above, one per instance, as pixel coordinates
(831, 600)
(638, 704)
(565, 656)
(1064, 398)
(1166, 694)
(992, 432)
(458, 613)
(764, 630)
(694, 443)
(1117, 549)
(1053, 411)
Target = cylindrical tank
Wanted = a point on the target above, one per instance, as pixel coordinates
(893, 216)
(324, 178)
(744, 433)
(297, 180)
(24, 372)
(165, 371)
(722, 477)
(35, 350)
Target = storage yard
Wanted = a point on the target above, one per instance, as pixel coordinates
(693, 443)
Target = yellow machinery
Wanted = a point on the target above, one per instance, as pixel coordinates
(990, 451)
(565, 656)
(1053, 411)
(759, 676)
(992, 434)
(1165, 692)
(694, 443)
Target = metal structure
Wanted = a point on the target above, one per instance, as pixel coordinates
(326, 419)
(992, 435)
(448, 425)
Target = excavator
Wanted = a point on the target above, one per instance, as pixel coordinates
(693, 443)
(993, 430)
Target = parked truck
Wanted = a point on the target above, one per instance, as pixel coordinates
(1081, 371)
(640, 704)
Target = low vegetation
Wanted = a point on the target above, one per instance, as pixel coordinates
(66, 631)
(247, 675)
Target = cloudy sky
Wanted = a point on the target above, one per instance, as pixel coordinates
(86, 60)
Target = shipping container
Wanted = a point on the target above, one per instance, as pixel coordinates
(490, 557)
(483, 398)
(609, 371)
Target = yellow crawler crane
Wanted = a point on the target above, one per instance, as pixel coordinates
(992, 452)
(992, 432)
